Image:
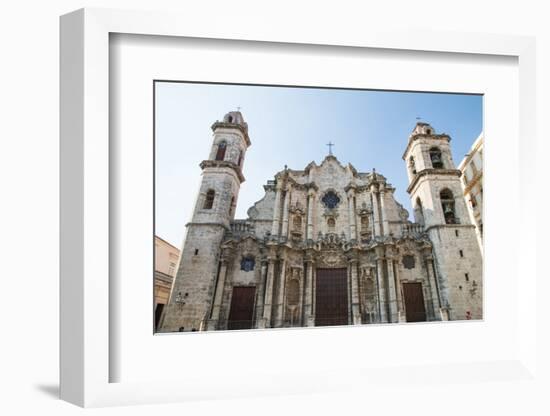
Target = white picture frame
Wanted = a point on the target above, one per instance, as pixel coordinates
(86, 355)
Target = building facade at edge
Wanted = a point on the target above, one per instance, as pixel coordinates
(166, 263)
(472, 184)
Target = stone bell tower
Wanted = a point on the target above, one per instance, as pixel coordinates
(436, 196)
(222, 176)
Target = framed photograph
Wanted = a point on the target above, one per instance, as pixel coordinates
(273, 214)
(325, 244)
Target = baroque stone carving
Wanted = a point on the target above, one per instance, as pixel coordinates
(408, 261)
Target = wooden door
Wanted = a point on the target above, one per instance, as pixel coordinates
(414, 302)
(331, 297)
(241, 312)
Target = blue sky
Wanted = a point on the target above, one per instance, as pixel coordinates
(292, 126)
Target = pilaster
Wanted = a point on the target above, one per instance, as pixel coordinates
(268, 303)
(381, 289)
(218, 297)
(392, 295)
(355, 303)
(309, 318)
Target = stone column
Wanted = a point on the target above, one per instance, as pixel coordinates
(384, 214)
(276, 210)
(280, 295)
(261, 294)
(284, 231)
(309, 318)
(376, 214)
(355, 302)
(268, 302)
(436, 296)
(373, 314)
(392, 295)
(218, 297)
(400, 302)
(310, 202)
(381, 289)
(351, 214)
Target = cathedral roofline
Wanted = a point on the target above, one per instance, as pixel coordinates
(287, 174)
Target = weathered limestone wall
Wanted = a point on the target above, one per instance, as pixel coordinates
(428, 190)
(235, 144)
(195, 279)
(225, 183)
(464, 294)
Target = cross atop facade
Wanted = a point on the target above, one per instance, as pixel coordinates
(238, 108)
(330, 144)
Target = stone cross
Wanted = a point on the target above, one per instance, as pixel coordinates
(330, 144)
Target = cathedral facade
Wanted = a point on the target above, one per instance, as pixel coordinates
(326, 245)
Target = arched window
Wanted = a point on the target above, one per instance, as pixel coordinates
(428, 131)
(412, 165)
(448, 205)
(435, 156)
(331, 224)
(240, 158)
(229, 119)
(209, 200)
(419, 212)
(297, 223)
(231, 205)
(220, 154)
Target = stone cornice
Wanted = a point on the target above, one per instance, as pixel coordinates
(415, 137)
(431, 171)
(449, 226)
(208, 223)
(163, 277)
(223, 164)
(222, 124)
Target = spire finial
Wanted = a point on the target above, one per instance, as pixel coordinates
(239, 108)
(330, 144)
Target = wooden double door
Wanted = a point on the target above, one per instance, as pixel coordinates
(331, 297)
(414, 302)
(241, 311)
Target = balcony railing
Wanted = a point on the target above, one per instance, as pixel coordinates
(241, 227)
(412, 230)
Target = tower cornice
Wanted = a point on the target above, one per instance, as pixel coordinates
(417, 136)
(223, 164)
(223, 124)
(431, 171)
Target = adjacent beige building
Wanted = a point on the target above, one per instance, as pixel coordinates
(472, 184)
(166, 263)
(327, 244)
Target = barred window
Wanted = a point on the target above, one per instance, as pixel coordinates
(435, 157)
(209, 201)
(220, 154)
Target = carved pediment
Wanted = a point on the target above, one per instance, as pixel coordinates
(331, 259)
